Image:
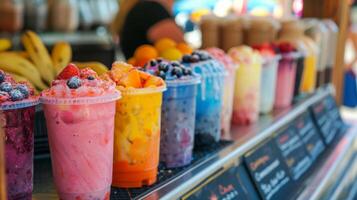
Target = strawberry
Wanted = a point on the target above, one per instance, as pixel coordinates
(68, 72)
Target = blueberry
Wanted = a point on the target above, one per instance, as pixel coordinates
(2, 77)
(176, 71)
(90, 77)
(194, 58)
(153, 63)
(6, 87)
(164, 67)
(162, 75)
(74, 82)
(187, 71)
(175, 64)
(24, 90)
(16, 95)
(186, 58)
(159, 60)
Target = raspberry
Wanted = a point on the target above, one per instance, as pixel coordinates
(68, 72)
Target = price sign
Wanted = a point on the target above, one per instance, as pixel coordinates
(309, 135)
(328, 119)
(293, 151)
(268, 171)
(230, 184)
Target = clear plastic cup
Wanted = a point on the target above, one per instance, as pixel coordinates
(80, 132)
(247, 93)
(17, 121)
(137, 137)
(178, 122)
(268, 83)
(286, 80)
(209, 102)
(227, 102)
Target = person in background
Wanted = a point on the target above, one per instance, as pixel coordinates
(144, 22)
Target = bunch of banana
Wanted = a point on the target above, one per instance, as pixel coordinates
(96, 66)
(39, 55)
(16, 64)
(5, 44)
(61, 56)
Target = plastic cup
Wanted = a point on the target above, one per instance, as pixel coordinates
(209, 102)
(80, 133)
(286, 80)
(268, 83)
(178, 122)
(247, 93)
(299, 72)
(137, 137)
(227, 102)
(309, 74)
(17, 121)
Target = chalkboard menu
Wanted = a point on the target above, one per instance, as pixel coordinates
(233, 183)
(309, 135)
(293, 151)
(268, 171)
(327, 117)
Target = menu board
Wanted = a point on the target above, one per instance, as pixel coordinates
(309, 135)
(233, 183)
(293, 151)
(268, 171)
(327, 117)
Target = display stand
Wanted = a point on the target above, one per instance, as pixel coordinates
(2, 165)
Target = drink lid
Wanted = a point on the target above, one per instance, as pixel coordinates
(81, 100)
(141, 91)
(196, 79)
(20, 104)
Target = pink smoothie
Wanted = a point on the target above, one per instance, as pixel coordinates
(285, 82)
(79, 113)
(81, 141)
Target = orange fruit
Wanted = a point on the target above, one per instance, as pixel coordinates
(145, 52)
(184, 48)
(132, 61)
(171, 54)
(164, 43)
(141, 63)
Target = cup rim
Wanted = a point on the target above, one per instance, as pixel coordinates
(81, 100)
(20, 104)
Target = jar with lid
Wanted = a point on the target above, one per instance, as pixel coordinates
(11, 19)
(64, 15)
(36, 14)
(210, 31)
(261, 30)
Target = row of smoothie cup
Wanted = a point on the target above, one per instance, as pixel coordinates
(82, 160)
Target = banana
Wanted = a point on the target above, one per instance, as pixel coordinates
(39, 55)
(61, 56)
(5, 44)
(16, 64)
(96, 66)
(23, 54)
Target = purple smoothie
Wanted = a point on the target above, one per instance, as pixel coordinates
(178, 111)
(19, 143)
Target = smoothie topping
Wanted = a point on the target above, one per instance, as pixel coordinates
(11, 91)
(244, 55)
(128, 77)
(73, 82)
(222, 57)
(168, 70)
(196, 56)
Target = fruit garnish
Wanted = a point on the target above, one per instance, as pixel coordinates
(2, 76)
(153, 81)
(68, 72)
(23, 89)
(74, 82)
(86, 72)
(91, 78)
(5, 87)
(16, 95)
(4, 96)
